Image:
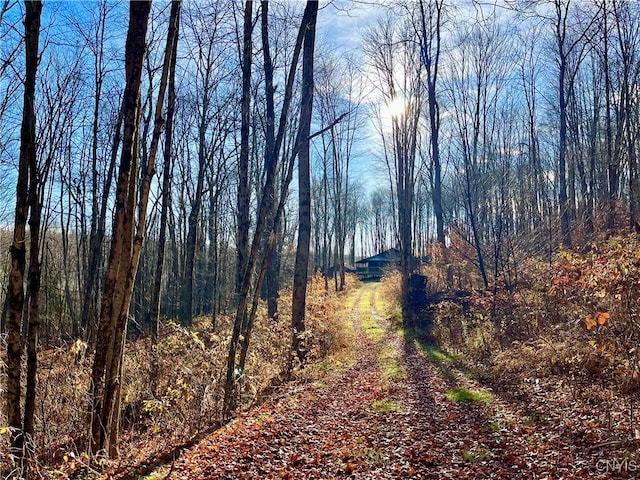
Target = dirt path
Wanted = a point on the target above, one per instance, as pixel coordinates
(401, 411)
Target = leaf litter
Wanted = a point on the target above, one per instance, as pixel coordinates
(337, 428)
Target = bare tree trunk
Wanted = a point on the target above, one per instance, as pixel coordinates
(244, 221)
(4, 312)
(271, 287)
(213, 264)
(130, 266)
(271, 241)
(26, 196)
(626, 28)
(403, 90)
(240, 322)
(325, 257)
(430, 47)
(273, 142)
(593, 141)
(206, 70)
(98, 207)
(186, 315)
(35, 219)
(108, 348)
(154, 314)
(565, 86)
(66, 264)
(304, 185)
(612, 163)
(565, 214)
(89, 305)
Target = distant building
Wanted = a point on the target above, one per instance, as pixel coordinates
(378, 265)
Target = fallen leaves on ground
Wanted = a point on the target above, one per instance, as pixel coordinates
(361, 423)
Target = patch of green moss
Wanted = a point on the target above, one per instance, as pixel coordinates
(374, 457)
(386, 405)
(439, 356)
(497, 426)
(390, 363)
(369, 324)
(419, 339)
(476, 455)
(464, 395)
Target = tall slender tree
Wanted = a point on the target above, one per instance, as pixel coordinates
(154, 313)
(244, 220)
(105, 376)
(569, 43)
(397, 63)
(300, 275)
(266, 217)
(337, 94)
(28, 185)
(627, 37)
(429, 34)
(96, 234)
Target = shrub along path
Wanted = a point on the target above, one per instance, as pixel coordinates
(399, 411)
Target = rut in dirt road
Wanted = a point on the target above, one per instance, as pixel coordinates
(387, 416)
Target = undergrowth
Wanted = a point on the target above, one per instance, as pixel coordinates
(173, 390)
(575, 318)
(571, 322)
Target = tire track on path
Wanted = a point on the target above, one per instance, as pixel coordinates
(387, 416)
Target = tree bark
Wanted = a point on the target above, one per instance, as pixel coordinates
(109, 345)
(98, 206)
(206, 58)
(271, 286)
(27, 187)
(304, 186)
(154, 314)
(431, 59)
(612, 163)
(244, 221)
(273, 142)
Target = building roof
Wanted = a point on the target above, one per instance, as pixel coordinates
(390, 255)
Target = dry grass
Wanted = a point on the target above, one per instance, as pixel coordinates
(389, 302)
(573, 320)
(174, 390)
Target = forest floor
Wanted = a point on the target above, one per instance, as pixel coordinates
(399, 409)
